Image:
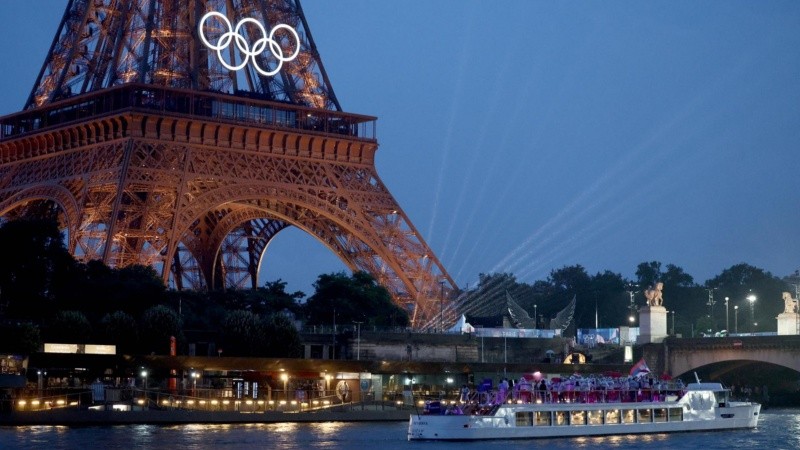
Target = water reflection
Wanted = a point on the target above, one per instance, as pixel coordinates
(619, 440)
(778, 430)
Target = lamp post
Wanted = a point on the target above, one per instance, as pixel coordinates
(144, 376)
(710, 304)
(727, 315)
(631, 307)
(285, 379)
(194, 383)
(358, 340)
(752, 299)
(40, 380)
(736, 319)
(535, 317)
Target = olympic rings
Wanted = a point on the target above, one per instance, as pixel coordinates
(234, 35)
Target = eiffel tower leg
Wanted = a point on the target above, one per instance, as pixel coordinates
(156, 151)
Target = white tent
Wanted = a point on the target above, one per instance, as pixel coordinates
(462, 326)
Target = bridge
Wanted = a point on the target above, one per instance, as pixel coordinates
(678, 356)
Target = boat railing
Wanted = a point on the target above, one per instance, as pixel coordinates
(487, 402)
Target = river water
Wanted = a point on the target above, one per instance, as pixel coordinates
(778, 430)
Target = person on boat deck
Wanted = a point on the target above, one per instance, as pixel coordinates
(502, 391)
(453, 410)
(464, 393)
(542, 388)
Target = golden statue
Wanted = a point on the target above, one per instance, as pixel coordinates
(653, 295)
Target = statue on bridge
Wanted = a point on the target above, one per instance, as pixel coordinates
(789, 303)
(653, 295)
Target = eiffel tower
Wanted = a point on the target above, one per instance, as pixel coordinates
(186, 134)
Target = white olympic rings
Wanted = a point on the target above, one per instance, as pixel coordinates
(233, 34)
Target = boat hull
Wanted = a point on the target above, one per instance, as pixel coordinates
(502, 425)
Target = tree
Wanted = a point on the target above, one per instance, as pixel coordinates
(648, 273)
(274, 298)
(199, 310)
(270, 299)
(242, 334)
(159, 323)
(120, 328)
(282, 340)
(568, 282)
(21, 338)
(353, 298)
(676, 277)
(612, 300)
(35, 268)
(740, 281)
(69, 327)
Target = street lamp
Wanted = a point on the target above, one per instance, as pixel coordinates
(144, 375)
(752, 299)
(710, 304)
(535, 320)
(358, 340)
(727, 315)
(285, 378)
(736, 319)
(631, 307)
(40, 382)
(195, 376)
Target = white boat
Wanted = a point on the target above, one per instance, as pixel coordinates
(699, 407)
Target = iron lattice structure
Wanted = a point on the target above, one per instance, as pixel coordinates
(152, 152)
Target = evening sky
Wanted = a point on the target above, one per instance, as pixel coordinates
(522, 136)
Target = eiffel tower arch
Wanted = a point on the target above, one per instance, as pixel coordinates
(158, 135)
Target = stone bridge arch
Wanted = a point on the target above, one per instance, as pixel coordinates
(682, 356)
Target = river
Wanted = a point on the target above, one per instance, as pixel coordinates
(778, 429)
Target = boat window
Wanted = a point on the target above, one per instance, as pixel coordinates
(660, 415)
(578, 418)
(613, 416)
(645, 415)
(561, 417)
(628, 416)
(676, 414)
(525, 419)
(543, 418)
(595, 417)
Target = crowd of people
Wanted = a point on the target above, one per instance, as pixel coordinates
(573, 389)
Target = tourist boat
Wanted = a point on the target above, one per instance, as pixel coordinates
(698, 407)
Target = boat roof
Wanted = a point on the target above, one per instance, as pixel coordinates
(705, 387)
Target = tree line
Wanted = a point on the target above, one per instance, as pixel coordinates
(605, 297)
(46, 295)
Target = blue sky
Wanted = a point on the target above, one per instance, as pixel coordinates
(522, 136)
